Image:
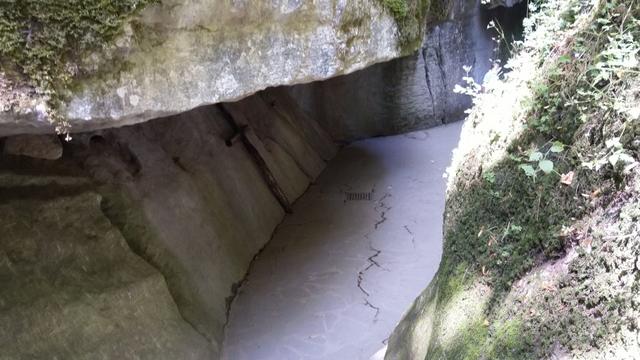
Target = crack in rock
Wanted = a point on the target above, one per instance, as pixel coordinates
(371, 263)
(382, 209)
(360, 279)
(413, 237)
(377, 309)
(383, 214)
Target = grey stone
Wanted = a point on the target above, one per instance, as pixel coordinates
(409, 93)
(202, 209)
(178, 55)
(194, 209)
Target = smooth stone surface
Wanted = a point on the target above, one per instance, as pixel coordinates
(178, 55)
(336, 276)
(200, 210)
(71, 288)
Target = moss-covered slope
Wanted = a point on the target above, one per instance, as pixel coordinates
(542, 244)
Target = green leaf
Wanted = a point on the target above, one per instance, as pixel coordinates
(564, 59)
(515, 229)
(557, 147)
(626, 158)
(613, 159)
(546, 166)
(535, 156)
(613, 142)
(528, 170)
(489, 176)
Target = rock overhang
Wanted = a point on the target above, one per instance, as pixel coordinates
(176, 56)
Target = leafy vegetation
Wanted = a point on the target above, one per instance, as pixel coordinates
(41, 41)
(562, 189)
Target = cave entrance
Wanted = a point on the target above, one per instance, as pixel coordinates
(508, 28)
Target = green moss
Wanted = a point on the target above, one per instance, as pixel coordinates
(398, 8)
(503, 226)
(412, 17)
(41, 40)
(505, 342)
(466, 344)
(508, 341)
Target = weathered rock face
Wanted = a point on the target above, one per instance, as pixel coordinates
(196, 209)
(71, 288)
(179, 55)
(409, 93)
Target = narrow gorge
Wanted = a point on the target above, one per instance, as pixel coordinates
(289, 179)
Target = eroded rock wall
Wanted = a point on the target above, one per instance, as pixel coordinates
(71, 287)
(192, 209)
(410, 93)
(177, 55)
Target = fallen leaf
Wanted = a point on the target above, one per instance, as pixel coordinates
(567, 178)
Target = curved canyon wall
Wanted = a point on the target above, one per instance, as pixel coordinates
(130, 241)
(410, 93)
(194, 196)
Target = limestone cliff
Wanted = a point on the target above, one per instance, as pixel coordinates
(172, 56)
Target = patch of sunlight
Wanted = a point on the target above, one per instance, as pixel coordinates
(466, 307)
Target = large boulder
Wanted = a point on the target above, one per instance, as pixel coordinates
(176, 55)
(190, 195)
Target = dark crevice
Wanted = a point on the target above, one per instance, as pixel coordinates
(428, 78)
(382, 209)
(236, 288)
(413, 237)
(377, 309)
(42, 192)
(240, 133)
(443, 76)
